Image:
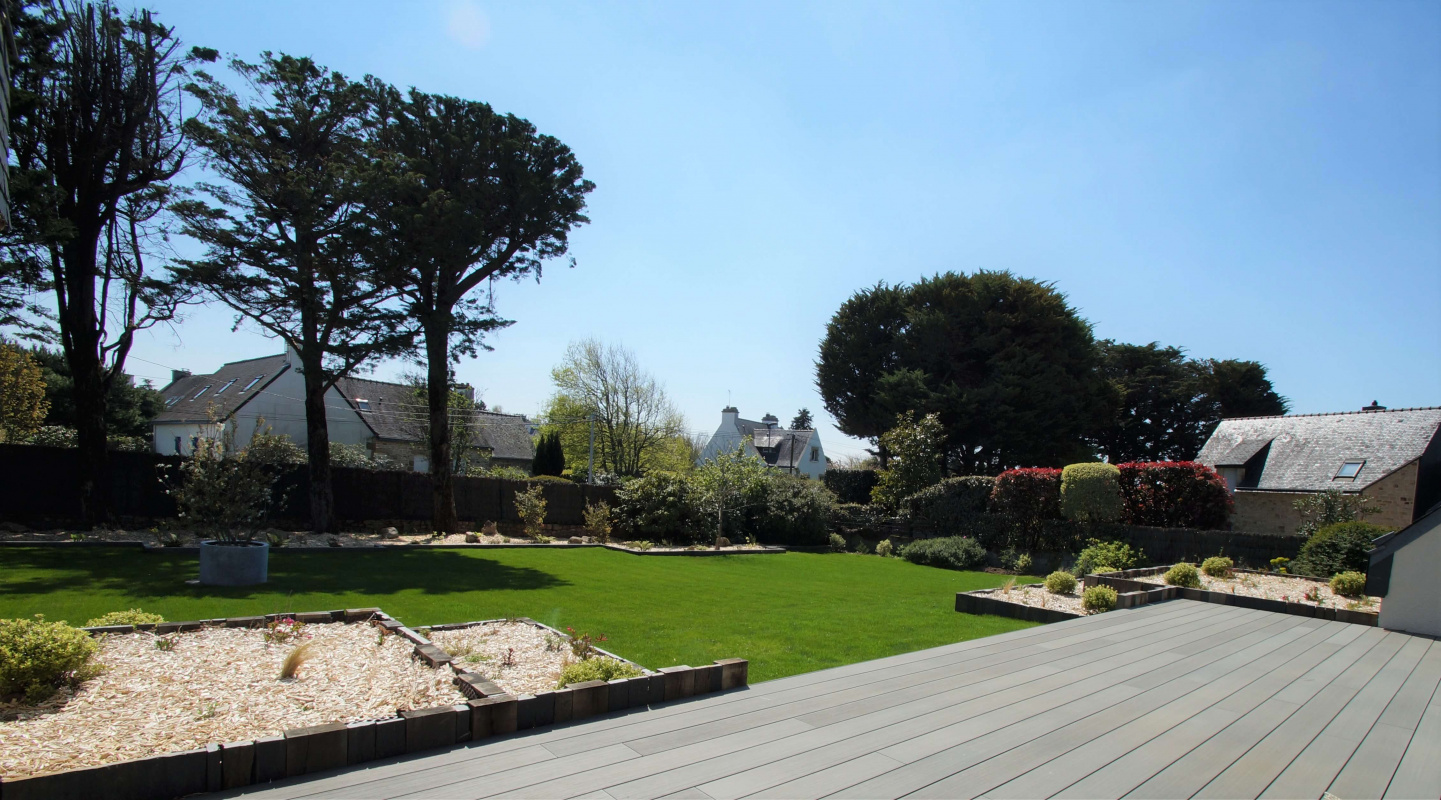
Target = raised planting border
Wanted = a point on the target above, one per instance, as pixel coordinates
(984, 601)
(1141, 592)
(370, 548)
(300, 751)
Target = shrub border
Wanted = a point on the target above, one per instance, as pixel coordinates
(1125, 584)
(488, 712)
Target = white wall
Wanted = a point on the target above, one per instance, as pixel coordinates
(727, 436)
(1413, 601)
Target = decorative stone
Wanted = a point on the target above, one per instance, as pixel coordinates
(576, 540)
(389, 533)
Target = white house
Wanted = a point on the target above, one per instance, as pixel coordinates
(379, 415)
(1404, 568)
(798, 452)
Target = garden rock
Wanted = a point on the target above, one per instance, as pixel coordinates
(471, 538)
(390, 533)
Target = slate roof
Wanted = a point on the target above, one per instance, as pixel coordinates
(227, 392)
(1307, 449)
(395, 413)
(775, 444)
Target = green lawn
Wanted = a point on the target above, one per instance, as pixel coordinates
(788, 613)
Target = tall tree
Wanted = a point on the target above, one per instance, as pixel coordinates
(22, 394)
(636, 424)
(549, 455)
(860, 347)
(96, 137)
(129, 407)
(282, 228)
(802, 420)
(472, 196)
(1240, 389)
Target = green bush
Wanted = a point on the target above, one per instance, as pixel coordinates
(1060, 583)
(1116, 555)
(219, 490)
(1028, 495)
(132, 617)
(598, 520)
(1098, 599)
(851, 485)
(1218, 566)
(1342, 547)
(1091, 492)
(884, 548)
(856, 519)
(277, 450)
(949, 505)
(659, 507)
(788, 510)
(595, 669)
(38, 657)
(1183, 575)
(915, 446)
(1349, 584)
(530, 507)
(837, 543)
(950, 552)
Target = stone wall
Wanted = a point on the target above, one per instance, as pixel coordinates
(1396, 495)
(1274, 512)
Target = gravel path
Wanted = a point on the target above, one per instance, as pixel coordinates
(1278, 587)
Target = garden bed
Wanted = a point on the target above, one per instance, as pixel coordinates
(1274, 586)
(1030, 602)
(1264, 591)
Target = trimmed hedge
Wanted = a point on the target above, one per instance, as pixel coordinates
(1091, 492)
(1174, 494)
(851, 485)
(949, 504)
(1028, 495)
(1342, 547)
(950, 552)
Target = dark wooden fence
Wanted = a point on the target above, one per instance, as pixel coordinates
(41, 485)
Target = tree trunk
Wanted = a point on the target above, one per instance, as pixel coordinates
(317, 444)
(80, 333)
(442, 482)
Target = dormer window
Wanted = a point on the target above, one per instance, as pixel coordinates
(1349, 470)
(252, 383)
(363, 405)
(202, 391)
(227, 385)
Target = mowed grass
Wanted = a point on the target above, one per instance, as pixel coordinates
(787, 614)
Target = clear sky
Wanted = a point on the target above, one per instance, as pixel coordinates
(1257, 180)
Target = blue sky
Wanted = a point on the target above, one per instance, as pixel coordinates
(1244, 180)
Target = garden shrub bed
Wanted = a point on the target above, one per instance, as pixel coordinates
(1020, 602)
(1264, 591)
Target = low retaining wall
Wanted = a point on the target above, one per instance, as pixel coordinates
(489, 711)
(988, 603)
(1142, 592)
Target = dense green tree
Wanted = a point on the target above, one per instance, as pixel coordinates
(1005, 363)
(471, 196)
(129, 406)
(283, 227)
(549, 455)
(1239, 389)
(95, 139)
(803, 421)
(23, 404)
(915, 444)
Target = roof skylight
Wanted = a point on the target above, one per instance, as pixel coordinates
(202, 391)
(227, 385)
(363, 405)
(1350, 469)
(252, 383)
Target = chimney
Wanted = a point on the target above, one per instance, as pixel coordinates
(770, 420)
(729, 415)
(466, 390)
(1375, 406)
(177, 374)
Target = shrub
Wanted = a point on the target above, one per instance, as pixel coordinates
(1174, 494)
(950, 552)
(132, 617)
(278, 451)
(950, 504)
(1279, 564)
(659, 506)
(785, 509)
(1091, 492)
(22, 394)
(1022, 563)
(884, 548)
(530, 507)
(532, 479)
(501, 473)
(1115, 555)
(837, 543)
(598, 520)
(218, 491)
(1028, 495)
(38, 657)
(595, 669)
(1330, 507)
(851, 485)
(856, 519)
(915, 445)
(1341, 547)
(1060, 583)
(1349, 584)
(1098, 599)
(1218, 566)
(1183, 575)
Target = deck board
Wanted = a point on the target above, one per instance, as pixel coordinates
(1168, 700)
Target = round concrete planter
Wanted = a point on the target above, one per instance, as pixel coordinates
(233, 563)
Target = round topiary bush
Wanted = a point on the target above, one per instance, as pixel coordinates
(884, 548)
(1349, 584)
(1342, 547)
(1060, 583)
(38, 657)
(951, 552)
(1218, 566)
(1183, 575)
(1098, 598)
(132, 617)
(1091, 492)
(837, 543)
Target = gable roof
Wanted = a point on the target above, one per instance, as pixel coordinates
(395, 413)
(227, 392)
(775, 444)
(1307, 450)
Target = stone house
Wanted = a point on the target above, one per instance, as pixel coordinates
(386, 418)
(798, 452)
(1389, 456)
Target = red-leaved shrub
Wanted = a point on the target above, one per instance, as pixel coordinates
(1174, 494)
(1028, 495)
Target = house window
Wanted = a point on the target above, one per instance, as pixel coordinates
(172, 401)
(177, 447)
(227, 385)
(815, 454)
(202, 391)
(252, 383)
(1349, 470)
(363, 405)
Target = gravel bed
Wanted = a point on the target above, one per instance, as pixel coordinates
(1036, 595)
(1277, 587)
(216, 685)
(518, 657)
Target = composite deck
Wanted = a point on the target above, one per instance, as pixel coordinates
(1177, 699)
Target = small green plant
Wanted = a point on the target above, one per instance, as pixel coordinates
(1117, 555)
(211, 709)
(1218, 566)
(642, 545)
(530, 507)
(884, 548)
(282, 630)
(276, 539)
(1022, 564)
(553, 643)
(459, 650)
(1349, 584)
(38, 657)
(165, 643)
(1060, 583)
(1313, 594)
(132, 617)
(1098, 599)
(598, 520)
(1008, 585)
(595, 669)
(1183, 575)
(1279, 564)
(950, 552)
(837, 543)
(295, 659)
(582, 645)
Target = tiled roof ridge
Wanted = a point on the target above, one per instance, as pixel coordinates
(247, 360)
(1337, 413)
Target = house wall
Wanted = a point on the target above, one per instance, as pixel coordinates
(1274, 512)
(1413, 601)
(727, 436)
